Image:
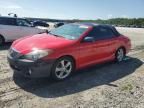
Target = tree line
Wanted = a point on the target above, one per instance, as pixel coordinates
(133, 22)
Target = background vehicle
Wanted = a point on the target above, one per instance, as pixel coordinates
(67, 48)
(40, 23)
(12, 28)
(58, 24)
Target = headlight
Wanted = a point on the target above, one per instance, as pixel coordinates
(37, 54)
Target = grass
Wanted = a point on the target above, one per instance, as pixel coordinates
(127, 87)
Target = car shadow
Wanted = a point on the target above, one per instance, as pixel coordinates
(5, 46)
(81, 80)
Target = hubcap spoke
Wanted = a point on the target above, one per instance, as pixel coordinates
(58, 69)
(120, 55)
(61, 74)
(68, 71)
(62, 63)
(67, 65)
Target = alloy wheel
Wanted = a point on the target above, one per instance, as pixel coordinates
(63, 69)
(120, 55)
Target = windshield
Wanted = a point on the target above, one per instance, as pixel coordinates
(70, 31)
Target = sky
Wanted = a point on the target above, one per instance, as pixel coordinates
(74, 9)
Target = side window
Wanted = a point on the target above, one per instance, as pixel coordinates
(93, 33)
(7, 21)
(22, 22)
(106, 33)
(101, 33)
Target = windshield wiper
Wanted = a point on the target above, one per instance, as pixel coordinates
(56, 35)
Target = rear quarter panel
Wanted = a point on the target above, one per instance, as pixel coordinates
(125, 42)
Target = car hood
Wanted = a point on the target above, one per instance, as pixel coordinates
(40, 41)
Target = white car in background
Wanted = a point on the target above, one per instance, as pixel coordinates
(51, 25)
(12, 28)
(41, 25)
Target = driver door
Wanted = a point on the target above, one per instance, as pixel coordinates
(86, 50)
(95, 51)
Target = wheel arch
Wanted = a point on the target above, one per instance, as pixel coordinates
(71, 57)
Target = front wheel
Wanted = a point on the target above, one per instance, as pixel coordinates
(120, 54)
(62, 68)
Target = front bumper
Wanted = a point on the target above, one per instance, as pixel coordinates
(34, 69)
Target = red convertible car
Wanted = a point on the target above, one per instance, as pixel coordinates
(66, 49)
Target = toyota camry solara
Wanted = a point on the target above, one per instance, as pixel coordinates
(66, 49)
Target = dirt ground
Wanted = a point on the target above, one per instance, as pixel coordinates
(109, 85)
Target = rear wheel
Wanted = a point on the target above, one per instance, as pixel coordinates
(120, 54)
(62, 68)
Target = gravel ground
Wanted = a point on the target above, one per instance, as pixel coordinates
(108, 85)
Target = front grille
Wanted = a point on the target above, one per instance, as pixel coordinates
(14, 53)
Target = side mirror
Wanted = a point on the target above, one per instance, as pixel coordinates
(88, 39)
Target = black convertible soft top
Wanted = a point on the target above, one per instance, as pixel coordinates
(102, 25)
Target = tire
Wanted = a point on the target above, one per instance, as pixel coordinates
(1, 40)
(120, 54)
(62, 68)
